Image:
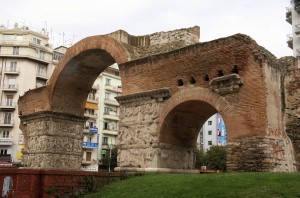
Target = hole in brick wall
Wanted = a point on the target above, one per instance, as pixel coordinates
(220, 73)
(180, 82)
(206, 78)
(235, 70)
(192, 81)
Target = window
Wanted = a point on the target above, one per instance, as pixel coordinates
(40, 83)
(209, 142)
(92, 94)
(42, 55)
(106, 95)
(106, 110)
(117, 73)
(11, 83)
(105, 140)
(209, 132)
(9, 100)
(15, 50)
(209, 122)
(57, 56)
(91, 124)
(4, 134)
(19, 37)
(107, 81)
(41, 70)
(36, 41)
(106, 126)
(13, 66)
(8, 37)
(88, 156)
(3, 151)
(7, 118)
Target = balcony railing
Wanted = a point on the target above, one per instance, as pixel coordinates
(8, 105)
(10, 87)
(42, 75)
(15, 71)
(117, 89)
(5, 141)
(111, 102)
(6, 123)
(90, 145)
(111, 116)
(110, 132)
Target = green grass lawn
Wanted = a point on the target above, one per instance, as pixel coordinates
(205, 185)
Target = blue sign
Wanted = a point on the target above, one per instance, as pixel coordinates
(90, 145)
(93, 130)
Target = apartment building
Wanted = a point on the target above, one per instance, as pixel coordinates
(293, 18)
(213, 132)
(25, 63)
(111, 87)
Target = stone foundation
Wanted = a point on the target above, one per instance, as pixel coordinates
(52, 140)
(260, 154)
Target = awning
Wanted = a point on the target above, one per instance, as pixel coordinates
(89, 105)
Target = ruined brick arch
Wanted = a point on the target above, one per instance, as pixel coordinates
(79, 68)
(190, 108)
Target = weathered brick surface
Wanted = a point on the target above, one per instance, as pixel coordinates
(29, 183)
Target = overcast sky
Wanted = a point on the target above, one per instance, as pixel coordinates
(263, 20)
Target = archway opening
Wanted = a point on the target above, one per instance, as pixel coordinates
(181, 128)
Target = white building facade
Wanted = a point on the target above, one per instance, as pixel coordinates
(25, 63)
(293, 18)
(213, 132)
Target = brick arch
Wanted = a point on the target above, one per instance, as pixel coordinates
(191, 108)
(76, 72)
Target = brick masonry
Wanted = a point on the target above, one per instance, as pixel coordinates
(28, 183)
(171, 85)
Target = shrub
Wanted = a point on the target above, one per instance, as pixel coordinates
(214, 158)
(110, 162)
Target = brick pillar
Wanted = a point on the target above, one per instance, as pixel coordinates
(52, 140)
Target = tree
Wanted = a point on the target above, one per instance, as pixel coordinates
(110, 160)
(214, 158)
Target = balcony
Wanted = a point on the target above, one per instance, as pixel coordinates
(93, 100)
(290, 41)
(112, 102)
(10, 88)
(88, 162)
(42, 75)
(5, 141)
(6, 123)
(110, 132)
(94, 116)
(111, 116)
(116, 89)
(96, 86)
(12, 71)
(8, 105)
(89, 145)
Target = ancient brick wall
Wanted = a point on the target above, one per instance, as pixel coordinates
(27, 183)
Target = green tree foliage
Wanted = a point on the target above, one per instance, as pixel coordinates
(110, 162)
(214, 158)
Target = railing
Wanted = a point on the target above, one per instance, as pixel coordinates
(10, 87)
(111, 102)
(90, 145)
(42, 75)
(12, 70)
(8, 104)
(117, 89)
(5, 141)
